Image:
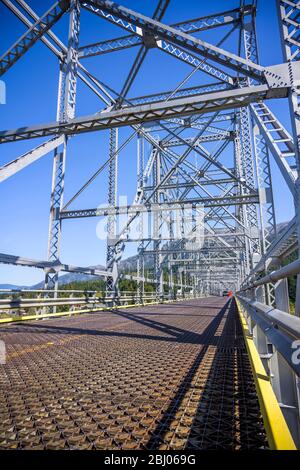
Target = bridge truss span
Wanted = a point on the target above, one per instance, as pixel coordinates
(202, 214)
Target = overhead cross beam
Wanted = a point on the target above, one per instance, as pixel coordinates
(191, 26)
(59, 49)
(158, 15)
(49, 265)
(175, 205)
(133, 115)
(229, 193)
(31, 36)
(140, 24)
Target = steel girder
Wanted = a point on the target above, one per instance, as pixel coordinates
(65, 110)
(159, 207)
(181, 92)
(158, 14)
(191, 26)
(30, 37)
(111, 261)
(171, 109)
(140, 24)
(134, 115)
(203, 138)
(50, 266)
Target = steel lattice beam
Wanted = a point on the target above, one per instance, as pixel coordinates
(140, 24)
(230, 193)
(30, 37)
(192, 26)
(133, 115)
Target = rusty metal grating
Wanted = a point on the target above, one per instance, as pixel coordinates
(160, 377)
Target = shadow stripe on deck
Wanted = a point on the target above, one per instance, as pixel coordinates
(169, 376)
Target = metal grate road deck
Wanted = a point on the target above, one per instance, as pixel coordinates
(170, 376)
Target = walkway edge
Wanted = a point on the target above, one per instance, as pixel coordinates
(278, 434)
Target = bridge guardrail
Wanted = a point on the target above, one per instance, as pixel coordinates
(276, 335)
(281, 328)
(88, 301)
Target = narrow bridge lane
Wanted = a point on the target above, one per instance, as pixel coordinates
(169, 376)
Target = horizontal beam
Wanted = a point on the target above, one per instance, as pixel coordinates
(150, 281)
(191, 184)
(166, 206)
(203, 138)
(50, 266)
(31, 36)
(140, 25)
(133, 115)
(190, 26)
(180, 93)
(210, 250)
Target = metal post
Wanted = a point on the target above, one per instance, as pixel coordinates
(140, 183)
(65, 110)
(262, 162)
(111, 256)
(157, 230)
(249, 42)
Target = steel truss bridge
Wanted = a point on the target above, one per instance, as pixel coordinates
(203, 169)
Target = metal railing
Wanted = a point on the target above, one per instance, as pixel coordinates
(22, 302)
(276, 335)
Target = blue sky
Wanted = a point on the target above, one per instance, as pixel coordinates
(31, 86)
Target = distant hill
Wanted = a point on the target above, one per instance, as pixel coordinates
(129, 264)
(13, 286)
(72, 277)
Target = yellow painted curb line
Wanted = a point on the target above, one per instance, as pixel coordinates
(278, 434)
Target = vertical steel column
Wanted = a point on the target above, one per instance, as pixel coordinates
(65, 110)
(249, 43)
(266, 202)
(140, 184)
(264, 180)
(72, 61)
(180, 272)
(262, 163)
(157, 230)
(248, 176)
(54, 238)
(171, 258)
(111, 255)
(241, 210)
(171, 285)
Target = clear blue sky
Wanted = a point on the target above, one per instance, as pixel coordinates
(31, 99)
